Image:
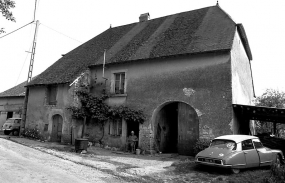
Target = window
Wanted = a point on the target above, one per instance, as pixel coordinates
(224, 144)
(9, 115)
(51, 95)
(257, 144)
(247, 145)
(119, 86)
(115, 127)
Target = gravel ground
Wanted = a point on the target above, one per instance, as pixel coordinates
(36, 161)
(23, 164)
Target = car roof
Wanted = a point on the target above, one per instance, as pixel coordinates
(237, 138)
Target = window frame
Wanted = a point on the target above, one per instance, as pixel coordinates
(49, 93)
(113, 82)
(246, 148)
(257, 141)
(116, 127)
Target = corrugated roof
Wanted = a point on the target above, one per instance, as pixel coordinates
(202, 30)
(16, 91)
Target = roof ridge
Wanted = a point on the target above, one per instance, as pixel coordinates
(225, 13)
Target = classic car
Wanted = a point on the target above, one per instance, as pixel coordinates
(237, 152)
(12, 125)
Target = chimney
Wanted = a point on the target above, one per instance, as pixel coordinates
(144, 17)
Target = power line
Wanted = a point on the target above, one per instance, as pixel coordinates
(16, 29)
(60, 33)
(24, 25)
(23, 65)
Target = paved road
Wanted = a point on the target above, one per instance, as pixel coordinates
(19, 163)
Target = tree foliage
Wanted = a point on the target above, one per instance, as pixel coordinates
(270, 98)
(5, 6)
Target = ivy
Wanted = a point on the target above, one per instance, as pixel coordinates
(128, 114)
(94, 107)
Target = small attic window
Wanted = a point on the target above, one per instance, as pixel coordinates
(51, 95)
(144, 17)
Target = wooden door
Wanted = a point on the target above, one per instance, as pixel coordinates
(188, 129)
(56, 128)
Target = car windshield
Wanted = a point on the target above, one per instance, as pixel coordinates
(225, 144)
(9, 121)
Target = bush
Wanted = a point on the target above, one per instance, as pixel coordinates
(201, 144)
(32, 133)
(277, 174)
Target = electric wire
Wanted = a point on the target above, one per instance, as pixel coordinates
(16, 29)
(25, 58)
(60, 32)
(24, 25)
(23, 65)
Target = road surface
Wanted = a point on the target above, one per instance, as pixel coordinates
(19, 163)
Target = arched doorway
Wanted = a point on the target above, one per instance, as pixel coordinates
(56, 128)
(176, 128)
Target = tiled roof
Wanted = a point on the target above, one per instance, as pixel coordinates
(16, 91)
(203, 30)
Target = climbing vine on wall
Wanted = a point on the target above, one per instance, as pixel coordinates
(95, 108)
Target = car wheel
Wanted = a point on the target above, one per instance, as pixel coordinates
(235, 170)
(6, 132)
(16, 132)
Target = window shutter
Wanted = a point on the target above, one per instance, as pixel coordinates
(112, 85)
(119, 127)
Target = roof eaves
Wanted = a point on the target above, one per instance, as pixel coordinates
(44, 84)
(155, 58)
(244, 40)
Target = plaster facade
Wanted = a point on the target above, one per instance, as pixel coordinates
(242, 84)
(202, 81)
(10, 104)
(40, 114)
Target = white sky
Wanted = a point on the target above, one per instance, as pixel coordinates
(77, 21)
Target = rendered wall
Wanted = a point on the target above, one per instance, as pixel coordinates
(203, 81)
(10, 104)
(40, 114)
(242, 84)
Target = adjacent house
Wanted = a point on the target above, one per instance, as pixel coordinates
(11, 102)
(184, 70)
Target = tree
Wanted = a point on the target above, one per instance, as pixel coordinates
(5, 6)
(270, 98)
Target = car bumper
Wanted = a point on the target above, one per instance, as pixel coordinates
(220, 165)
(213, 164)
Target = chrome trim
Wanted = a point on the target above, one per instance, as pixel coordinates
(239, 165)
(212, 164)
(265, 162)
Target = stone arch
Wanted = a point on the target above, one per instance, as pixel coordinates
(175, 127)
(51, 128)
(56, 132)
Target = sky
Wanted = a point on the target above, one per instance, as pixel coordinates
(66, 24)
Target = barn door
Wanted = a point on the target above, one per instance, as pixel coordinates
(56, 128)
(188, 129)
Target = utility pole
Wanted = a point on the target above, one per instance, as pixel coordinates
(23, 122)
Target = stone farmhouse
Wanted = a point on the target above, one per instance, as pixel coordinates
(184, 70)
(11, 102)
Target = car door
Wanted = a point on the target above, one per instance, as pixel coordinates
(251, 155)
(265, 155)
